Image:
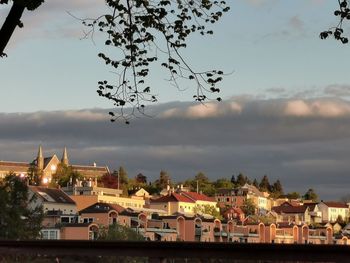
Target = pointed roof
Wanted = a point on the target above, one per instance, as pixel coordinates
(40, 152)
(173, 197)
(65, 156)
(198, 197)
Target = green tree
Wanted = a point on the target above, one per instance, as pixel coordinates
(223, 183)
(264, 185)
(18, 219)
(311, 195)
(141, 179)
(34, 175)
(293, 195)
(241, 180)
(204, 185)
(276, 189)
(163, 181)
(120, 233)
(123, 180)
(255, 183)
(248, 207)
(65, 175)
(208, 210)
(233, 179)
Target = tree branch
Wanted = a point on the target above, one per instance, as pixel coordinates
(7, 29)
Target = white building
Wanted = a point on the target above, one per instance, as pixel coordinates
(332, 210)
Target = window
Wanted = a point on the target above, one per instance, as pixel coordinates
(64, 219)
(45, 234)
(49, 234)
(88, 220)
(53, 234)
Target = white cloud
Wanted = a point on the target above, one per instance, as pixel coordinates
(317, 108)
(297, 108)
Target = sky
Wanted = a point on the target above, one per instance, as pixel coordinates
(285, 109)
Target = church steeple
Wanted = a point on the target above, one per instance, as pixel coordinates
(64, 159)
(40, 159)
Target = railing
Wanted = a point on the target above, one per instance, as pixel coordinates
(162, 252)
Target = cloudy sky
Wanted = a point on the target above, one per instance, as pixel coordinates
(285, 112)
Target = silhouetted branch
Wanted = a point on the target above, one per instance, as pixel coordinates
(344, 14)
(140, 28)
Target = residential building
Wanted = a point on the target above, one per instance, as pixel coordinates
(288, 213)
(58, 209)
(183, 202)
(332, 210)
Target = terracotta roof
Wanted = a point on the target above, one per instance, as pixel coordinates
(52, 195)
(335, 204)
(289, 209)
(173, 197)
(198, 197)
(102, 208)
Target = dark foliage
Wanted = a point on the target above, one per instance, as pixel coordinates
(337, 32)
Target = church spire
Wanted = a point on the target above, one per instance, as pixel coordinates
(40, 159)
(65, 157)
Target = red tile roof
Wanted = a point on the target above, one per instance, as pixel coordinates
(173, 197)
(335, 204)
(289, 209)
(198, 197)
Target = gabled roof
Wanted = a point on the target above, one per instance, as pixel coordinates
(52, 195)
(189, 197)
(48, 160)
(336, 204)
(310, 205)
(290, 209)
(173, 197)
(253, 189)
(101, 208)
(197, 197)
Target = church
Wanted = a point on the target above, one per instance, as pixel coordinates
(48, 166)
